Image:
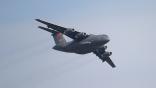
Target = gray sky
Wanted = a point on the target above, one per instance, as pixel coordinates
(27, 60)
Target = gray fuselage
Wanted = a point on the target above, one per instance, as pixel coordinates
(88, 45)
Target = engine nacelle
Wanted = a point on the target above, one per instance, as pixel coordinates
(80, 36)
(69, 30)
(72, 29)
(107, 53)
(105, 47)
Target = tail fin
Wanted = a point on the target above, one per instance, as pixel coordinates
(59, 39)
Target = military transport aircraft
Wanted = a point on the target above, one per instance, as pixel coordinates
(82, 43)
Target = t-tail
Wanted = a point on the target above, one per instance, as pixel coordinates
(58, 37)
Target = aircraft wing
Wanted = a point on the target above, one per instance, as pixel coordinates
(66, 31)
(53, 26)
(104, 56)
(47, 29)
(110, 62)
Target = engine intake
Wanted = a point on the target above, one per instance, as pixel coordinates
(105, 47)
(107, 53)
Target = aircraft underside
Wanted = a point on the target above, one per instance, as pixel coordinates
(82, 43)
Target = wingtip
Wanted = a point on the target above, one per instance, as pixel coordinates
(113, 66)
(40, 27)
(37, 19)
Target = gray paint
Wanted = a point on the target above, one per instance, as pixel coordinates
(26, 60)
(88, 45)
(82, 43)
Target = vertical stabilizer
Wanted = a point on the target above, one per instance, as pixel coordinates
(59, 39)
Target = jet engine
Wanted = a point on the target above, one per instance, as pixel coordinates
(105, 47)
(70, 30)
(80, 36)
(107, 53)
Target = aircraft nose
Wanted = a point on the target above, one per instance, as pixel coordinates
(106, 38)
